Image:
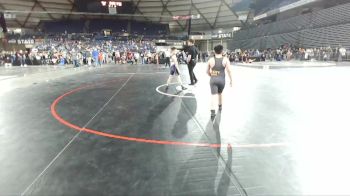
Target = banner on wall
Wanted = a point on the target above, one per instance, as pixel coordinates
(200, 37)
(21, 41)
(212, 36)
(221, 35)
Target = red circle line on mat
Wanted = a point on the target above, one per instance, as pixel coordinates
(141, 140)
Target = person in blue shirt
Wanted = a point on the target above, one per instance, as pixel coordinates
(95, 56)
(62, 61)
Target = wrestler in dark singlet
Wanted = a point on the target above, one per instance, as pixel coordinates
(216, 70)
(217, 80)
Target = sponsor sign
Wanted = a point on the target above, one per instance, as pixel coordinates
(21, 41)
(221, 35)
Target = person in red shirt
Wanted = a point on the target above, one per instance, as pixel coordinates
(100, 58)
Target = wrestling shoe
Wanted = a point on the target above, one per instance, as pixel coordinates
(220, 108)
(212, 116)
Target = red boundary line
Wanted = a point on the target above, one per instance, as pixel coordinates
(141, 140)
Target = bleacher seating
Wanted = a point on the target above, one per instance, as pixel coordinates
(327, 27)
(275, 4)
(70, 26)
(97, 25)
(331, 16)
(146, 28)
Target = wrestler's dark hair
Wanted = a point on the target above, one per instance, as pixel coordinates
(218, 49)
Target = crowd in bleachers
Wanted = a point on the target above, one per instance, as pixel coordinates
(287, 53)
(62, 42)
(92, 53)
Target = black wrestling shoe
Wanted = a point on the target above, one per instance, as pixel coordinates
(212, 116)
(196, 82)
(220, 108)
(183, 88)
(191, 84)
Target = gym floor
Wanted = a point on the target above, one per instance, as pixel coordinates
(115, 131)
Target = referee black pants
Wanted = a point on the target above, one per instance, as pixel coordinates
(191, 66)
(167, 61)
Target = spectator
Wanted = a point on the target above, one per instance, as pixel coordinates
(95, 55)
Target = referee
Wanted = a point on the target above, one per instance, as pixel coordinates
(191, 60)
